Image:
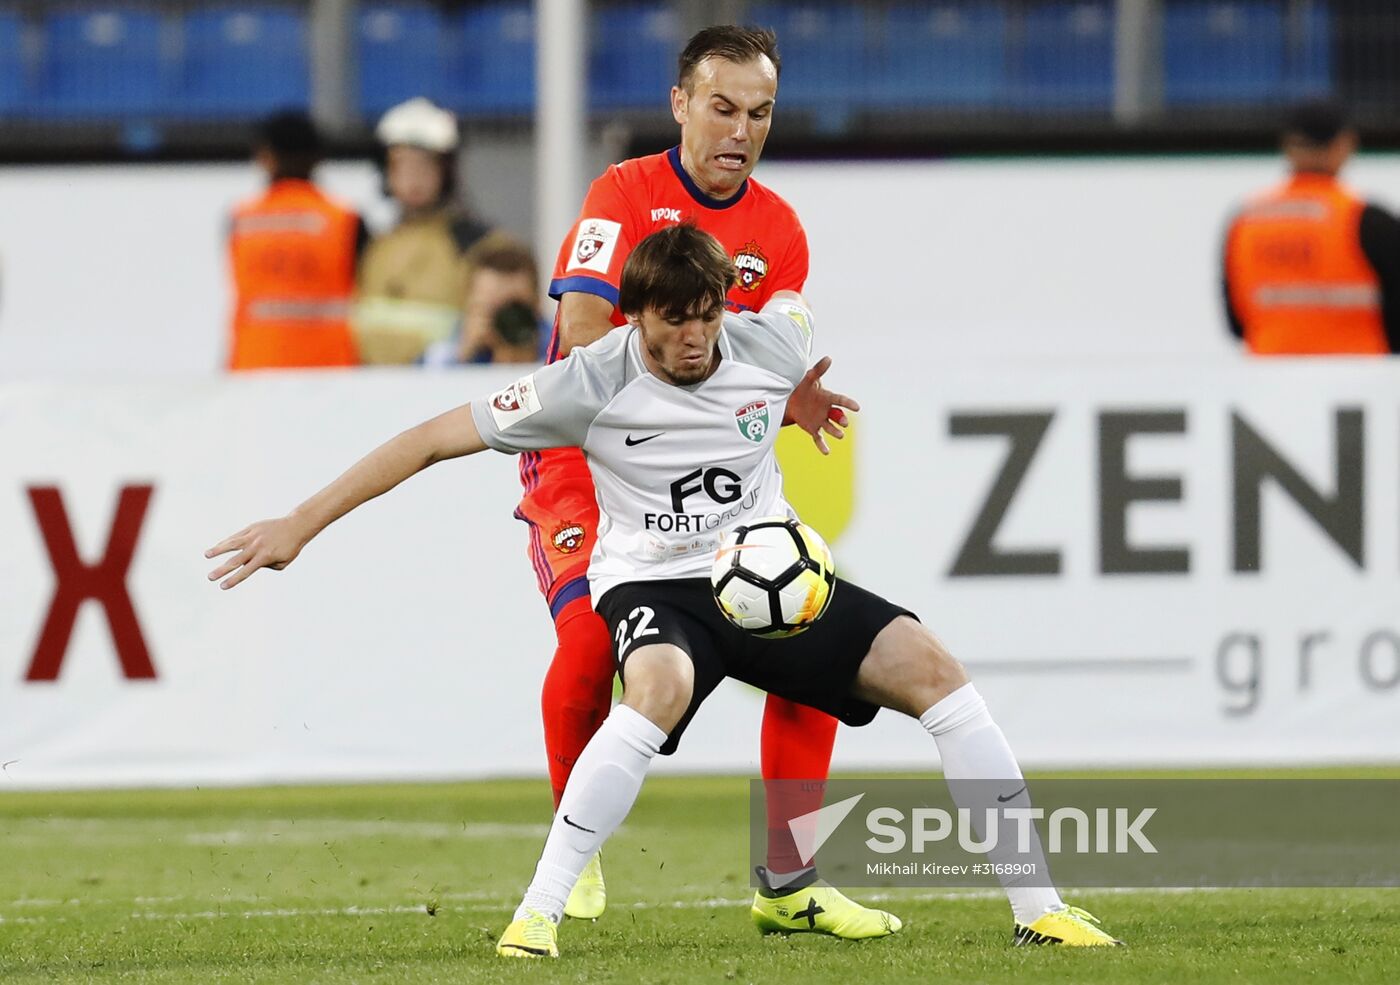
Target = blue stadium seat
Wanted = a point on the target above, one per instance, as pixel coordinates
(244, 61)
(1067, 55)
(103, 61)
(401, 50)
(1221, 52)
(825, 63)
(491, 61)
(632, 60)
(1309, 53)
(11, 61)
(946, 54)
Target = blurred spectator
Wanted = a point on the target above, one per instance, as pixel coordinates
(413, 281)
(1309, 267)
(502, 321)
(293, 252)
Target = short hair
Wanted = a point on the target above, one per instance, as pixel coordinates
(293, 140)
(730, 42)
(678, 272)
(506, 258)
(1316, 123)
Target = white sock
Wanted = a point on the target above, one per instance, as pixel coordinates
(973, 749)
(601, 790)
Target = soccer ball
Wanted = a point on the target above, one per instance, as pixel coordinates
(773, 577)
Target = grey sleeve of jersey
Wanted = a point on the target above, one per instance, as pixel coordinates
(555, 405)
(778, 338)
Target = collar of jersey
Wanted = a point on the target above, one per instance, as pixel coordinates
(674, 156)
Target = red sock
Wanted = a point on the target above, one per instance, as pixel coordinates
(797, 744)
(577, 689)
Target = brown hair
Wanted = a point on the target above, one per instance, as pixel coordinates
(678, 272)
(506, 258)
(730, 42)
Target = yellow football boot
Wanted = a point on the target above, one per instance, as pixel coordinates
(532, 936)
(1071, 927)
(817, 909)
(589, 897)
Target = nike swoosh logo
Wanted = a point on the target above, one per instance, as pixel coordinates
(736, 547)
(1000, 799)
(641, 441)
(579, 826)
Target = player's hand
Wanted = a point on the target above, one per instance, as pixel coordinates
(266, 544)
(815, 409)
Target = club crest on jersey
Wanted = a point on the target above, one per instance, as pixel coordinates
(752, 266)
(752, 420)
(568, 537)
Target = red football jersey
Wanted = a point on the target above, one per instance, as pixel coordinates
(633, 199)
(629, 202)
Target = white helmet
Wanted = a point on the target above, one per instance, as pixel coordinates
(419, 123)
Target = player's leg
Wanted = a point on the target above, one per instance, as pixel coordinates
(664, 683)
(576, 697)
(909, 670)
(562, 511)
(577, 689)
(797, 744)
(796, 758)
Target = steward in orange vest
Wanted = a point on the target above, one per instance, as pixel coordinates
(1309, 267)
(293, 252)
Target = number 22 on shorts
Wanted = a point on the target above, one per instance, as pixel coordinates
(644, 614)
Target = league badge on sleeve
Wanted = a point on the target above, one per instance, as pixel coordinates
(515, 403)
(594, 245)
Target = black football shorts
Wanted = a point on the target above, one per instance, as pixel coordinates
(816, 667)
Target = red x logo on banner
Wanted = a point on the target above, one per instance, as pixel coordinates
(77, 581)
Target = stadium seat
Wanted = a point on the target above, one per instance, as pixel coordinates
(645, 74)
(103, 61)
(491, 59)
(1309, 54)
(11, 61)
(1223, 52)
(825, 64)
(1066, 58)
(401, 54)
(946, 54)
(243, 61)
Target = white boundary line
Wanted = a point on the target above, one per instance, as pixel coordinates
(488, 903)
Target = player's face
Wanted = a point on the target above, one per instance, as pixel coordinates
(681, 351)
(724, 121)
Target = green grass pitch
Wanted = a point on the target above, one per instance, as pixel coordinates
(414, 884)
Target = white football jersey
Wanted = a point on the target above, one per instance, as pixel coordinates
(674, 467)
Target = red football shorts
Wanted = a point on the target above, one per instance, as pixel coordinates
(562, 510)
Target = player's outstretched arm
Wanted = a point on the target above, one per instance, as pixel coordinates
(276, 543)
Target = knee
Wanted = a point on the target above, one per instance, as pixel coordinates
(659, 686)
(909, 669)
(942, 672)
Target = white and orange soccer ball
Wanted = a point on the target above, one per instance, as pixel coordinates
(773, 577)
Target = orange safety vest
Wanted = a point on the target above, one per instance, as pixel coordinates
(1296, 274)
(293, 256)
